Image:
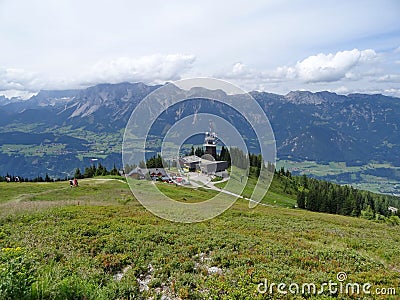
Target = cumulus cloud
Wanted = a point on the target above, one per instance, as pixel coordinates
(320, 68)
(19, 79)
(239, 71)
(392, 78)
(149, 69)
(329, 67)
(343, 72)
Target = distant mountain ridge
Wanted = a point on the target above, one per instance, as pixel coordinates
(321, 126)
(328, 127)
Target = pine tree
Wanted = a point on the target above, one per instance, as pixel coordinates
(78, 174)
(301, 199)
(225, 155)
(368, 213)
(114, 171)
(101, 170)
(89, 172)
(311, 201)
(282, 171)
(155, 162)
(304, 181)
(349, 204)
(199, 152)
(47, 178)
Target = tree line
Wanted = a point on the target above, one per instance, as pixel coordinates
(94, 170)
(328, 197)
(234, 156)
(238, 158)
(89, 172)
(16, 178)
(157, 161)
(221, 155)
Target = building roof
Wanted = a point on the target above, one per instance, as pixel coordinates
(157, 171)
(210, 162)
(191, 159)
(136, 170)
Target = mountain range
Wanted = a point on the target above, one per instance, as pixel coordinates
(55, 132)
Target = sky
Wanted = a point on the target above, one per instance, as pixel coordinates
(274, 46)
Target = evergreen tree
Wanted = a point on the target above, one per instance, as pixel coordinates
(301, 199)
(199, 152)
(305, 181)
(311, 201)
(336, 199)
(239, 158)
(38, 179)
(282, 171)
(114, 171)
(155, 162)
(224, 155)
(349, 204)
(89, 171)
(101, 170)
(78, 174)
(368, 213)
(47, 178)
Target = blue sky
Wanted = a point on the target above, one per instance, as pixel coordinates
(275, 46)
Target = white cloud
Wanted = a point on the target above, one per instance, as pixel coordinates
(329, 67)
(341, 90)
(393, 78)
(392, 91)
(343, 72)
(24, 95)
(71, 43)
(18, 79)
(239, 69)
(149, 69)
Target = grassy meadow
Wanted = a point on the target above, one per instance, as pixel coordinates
(97, 242)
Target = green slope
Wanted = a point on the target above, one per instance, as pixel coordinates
(58, 242)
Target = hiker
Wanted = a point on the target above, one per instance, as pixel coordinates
(8, 179)
(75, 182)
(17, 179)
(71, 184)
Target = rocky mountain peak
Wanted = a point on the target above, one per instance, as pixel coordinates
(306, 97)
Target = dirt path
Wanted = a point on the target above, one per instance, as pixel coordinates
(211, 186)
(104, 179)
(23, 197)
